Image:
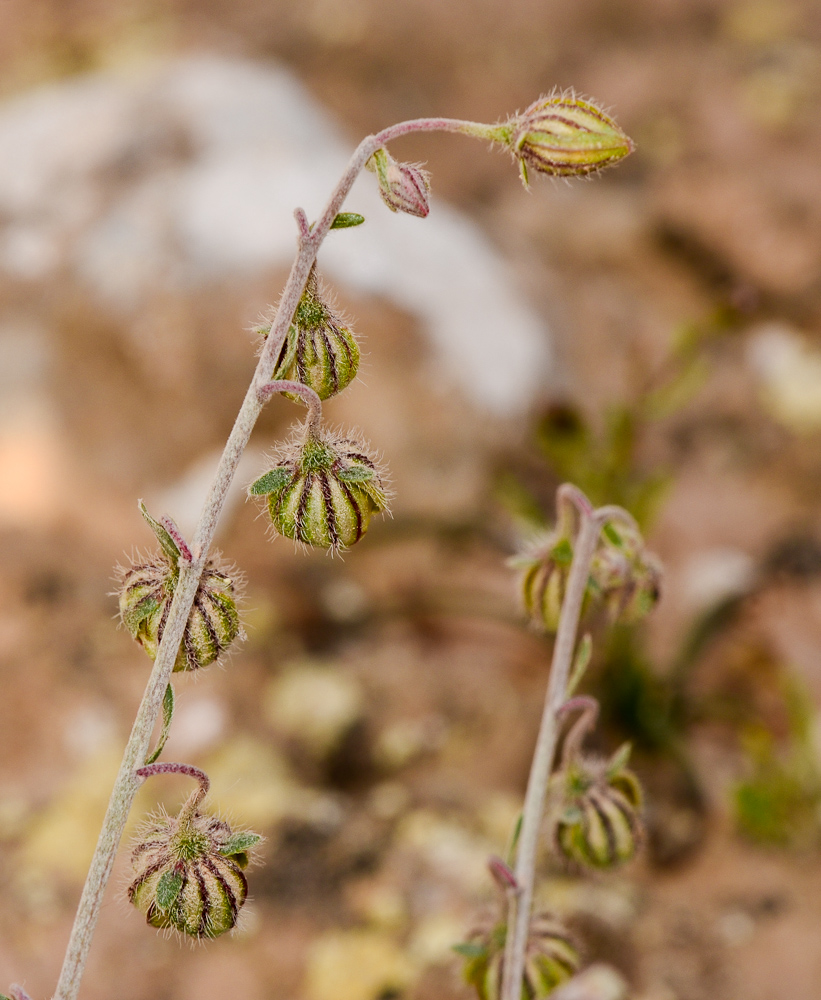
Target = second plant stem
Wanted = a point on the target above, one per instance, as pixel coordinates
(518, 922)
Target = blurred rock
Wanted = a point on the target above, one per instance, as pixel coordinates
(449, 850)
(713, 575)
(356, 965)
(163, 180)
(252, 784)
(598, 982)
(314, 705)
(199, 723)
(790, 374)
(408, 739)
(433, 939)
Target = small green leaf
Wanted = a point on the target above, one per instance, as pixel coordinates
(168, 888)
(619, 759)
(167, 716)
(356, 474)
(612, 535)
(346, 220)
(572, 815)
(514, 840)
(271, 482)
(581, 663)
(167, 543)
(468, 949)
(562, 553)
(134, 617)
(240, 842)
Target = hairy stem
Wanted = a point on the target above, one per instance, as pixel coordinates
(591, 523)
(305, 393)
(126, 783)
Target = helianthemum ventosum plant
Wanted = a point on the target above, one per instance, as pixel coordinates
(322, 490)
(590, 557)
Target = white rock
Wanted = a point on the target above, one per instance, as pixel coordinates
(86, 179)
(712, 575)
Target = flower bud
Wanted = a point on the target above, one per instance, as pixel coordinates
(323, 491)
(551, 958)
(565, 136)
(146, 592)
(625, 574)
(320, 350)
(545, 568)
(599, 822)
(404, 186)
(188, 872)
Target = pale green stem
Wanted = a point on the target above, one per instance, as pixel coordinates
(591, 523)
(126, 784)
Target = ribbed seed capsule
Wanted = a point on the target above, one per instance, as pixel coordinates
(566, 136)
(551, 958)
(545, 567)
(146, 592)
(599, 825)
(323, 492)
(625, 574)
(320, 351)
(188, 873)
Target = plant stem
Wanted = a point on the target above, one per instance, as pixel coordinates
(306, 394)
(525, 870)
(126, 784)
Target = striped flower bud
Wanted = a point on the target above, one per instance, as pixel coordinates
(625, 574)
(188, 872)
(145, 594)
(320, 351)
(599, 822)
(404, 187)
(565, 136)
(545, 567)
(551, 958)
(323, 491)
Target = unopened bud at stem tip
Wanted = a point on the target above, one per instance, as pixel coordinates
(565, 136)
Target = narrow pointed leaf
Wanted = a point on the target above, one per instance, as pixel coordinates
(167, 543)
(240, 842)
(581, 663)
(167, 716)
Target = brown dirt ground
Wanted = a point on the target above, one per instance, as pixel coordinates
(722, 204)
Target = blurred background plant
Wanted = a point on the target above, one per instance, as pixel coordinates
(381, 812)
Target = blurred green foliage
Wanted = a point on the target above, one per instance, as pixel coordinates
(780, 802)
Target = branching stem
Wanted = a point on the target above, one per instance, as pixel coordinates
(126, 783)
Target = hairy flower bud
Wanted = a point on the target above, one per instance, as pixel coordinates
(565, 136)
(145, 594)
(545, 567)
(320, 351)
(323, 490)
(404, 186)
(551, 958)
(188, 872)
(599, 822)
(625, 574)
